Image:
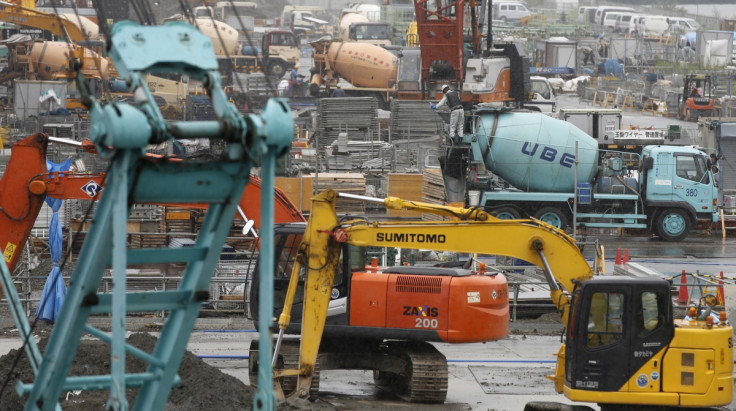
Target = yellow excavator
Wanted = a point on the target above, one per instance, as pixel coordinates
(622, 346)
(23, 13)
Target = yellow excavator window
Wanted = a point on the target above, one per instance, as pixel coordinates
(605, 320)
(649, 319)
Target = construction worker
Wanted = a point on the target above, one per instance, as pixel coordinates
(588, 55)
(452, 100)
(294, 83)
(602, 46)
(338, 92)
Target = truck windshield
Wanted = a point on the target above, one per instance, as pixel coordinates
(372, 32)
(540, 87)
(692, 167)
(283, 39)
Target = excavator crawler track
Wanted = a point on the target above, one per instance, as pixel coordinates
(424, 379)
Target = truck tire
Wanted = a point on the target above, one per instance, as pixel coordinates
(673, 224)
(506, 213)
(276, 69)
(552, 216)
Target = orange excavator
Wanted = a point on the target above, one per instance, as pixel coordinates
(26, 182)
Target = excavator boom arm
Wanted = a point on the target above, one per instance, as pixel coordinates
(514, 238)
(56, 25)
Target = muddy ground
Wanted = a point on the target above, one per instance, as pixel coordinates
(202, 386)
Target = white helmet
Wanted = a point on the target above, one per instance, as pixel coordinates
(445, 88)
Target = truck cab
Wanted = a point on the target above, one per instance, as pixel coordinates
(302, 20)
(679, 183)
(377, 33)
(280, 52)
(544, 99)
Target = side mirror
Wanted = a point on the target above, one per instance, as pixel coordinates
(647, 163)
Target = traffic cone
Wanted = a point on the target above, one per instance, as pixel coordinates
(721, 299)
(682, 297)
(618, 256)
(626, 255)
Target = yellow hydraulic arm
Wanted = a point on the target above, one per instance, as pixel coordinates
(475, 232)
(28, 17)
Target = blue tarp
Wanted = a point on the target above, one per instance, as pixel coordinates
(689, 38)
(54, 290)
(611, 67)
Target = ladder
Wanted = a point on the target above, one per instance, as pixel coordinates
(121, 133)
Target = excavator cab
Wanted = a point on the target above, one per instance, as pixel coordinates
(625, 346)
(618, 327)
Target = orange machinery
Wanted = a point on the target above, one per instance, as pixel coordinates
(26, 182)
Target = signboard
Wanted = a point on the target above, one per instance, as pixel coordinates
(639, 137)
(556, 71)
(36, 34)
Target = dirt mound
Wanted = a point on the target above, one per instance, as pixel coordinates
(202, 386)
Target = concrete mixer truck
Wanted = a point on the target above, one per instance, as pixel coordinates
(371, 70)
(517, 163)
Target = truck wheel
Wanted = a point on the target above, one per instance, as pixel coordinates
(506, 213)
(276, 69)
(552, 216)
(673, 224)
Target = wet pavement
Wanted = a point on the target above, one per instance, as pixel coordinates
(706, 254)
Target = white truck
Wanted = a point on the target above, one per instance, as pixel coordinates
(545, 99)
(303, 21)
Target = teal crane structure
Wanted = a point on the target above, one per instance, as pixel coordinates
(121, 133)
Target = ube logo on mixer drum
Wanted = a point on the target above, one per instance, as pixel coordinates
(547, 153)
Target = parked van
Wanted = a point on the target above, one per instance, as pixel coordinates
(683, 24)
(622, 22)
(601, 12)
(510, 11)
(634, 23)
(653, 26)
(609, 21)
(586, 14)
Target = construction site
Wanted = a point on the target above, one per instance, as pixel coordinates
(507, 205)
